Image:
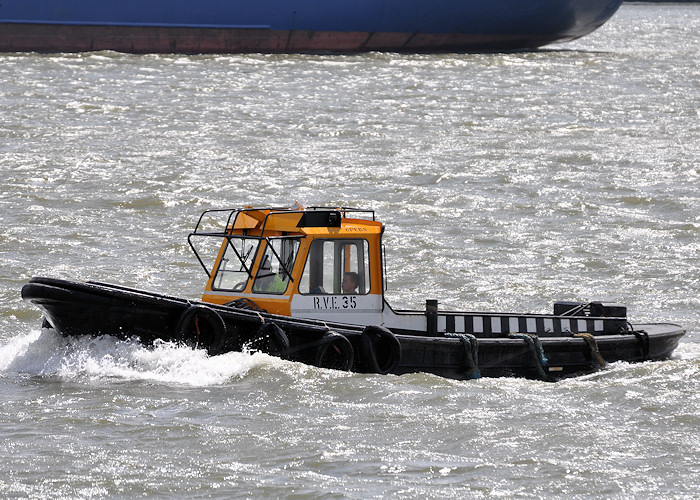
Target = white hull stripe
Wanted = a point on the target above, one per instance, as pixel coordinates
(517, 324)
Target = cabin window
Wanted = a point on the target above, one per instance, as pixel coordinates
(235, 264)
(337, 266)
(276, 265)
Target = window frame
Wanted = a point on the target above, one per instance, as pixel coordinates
(363, 258)
(288, 272)
(247, 269)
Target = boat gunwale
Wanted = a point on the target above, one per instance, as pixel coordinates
(296, 323)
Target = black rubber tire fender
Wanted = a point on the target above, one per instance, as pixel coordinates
(201, 326)
(270, 339)
(335, 352)
(380, 350)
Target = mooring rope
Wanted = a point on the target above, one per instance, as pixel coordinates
(643, 338)
(593, 347)
(533, 341)
(471, 350)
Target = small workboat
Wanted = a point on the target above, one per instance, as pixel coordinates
(307, 285)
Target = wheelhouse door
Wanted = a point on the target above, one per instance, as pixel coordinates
(336, 284)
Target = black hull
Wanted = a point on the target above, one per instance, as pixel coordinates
(76, 308)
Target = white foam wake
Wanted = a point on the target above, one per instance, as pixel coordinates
(47, 353)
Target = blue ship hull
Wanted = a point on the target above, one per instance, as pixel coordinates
(286, 26)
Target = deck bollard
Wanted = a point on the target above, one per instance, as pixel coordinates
(431, 313)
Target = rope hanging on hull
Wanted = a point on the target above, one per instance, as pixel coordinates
(643, 338)
(540, 360)
(471, 351)
(593, 346)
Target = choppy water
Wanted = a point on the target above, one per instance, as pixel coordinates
(507, 181)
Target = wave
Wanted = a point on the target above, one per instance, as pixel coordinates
(46, 353)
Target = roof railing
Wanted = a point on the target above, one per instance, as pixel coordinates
(233, 213)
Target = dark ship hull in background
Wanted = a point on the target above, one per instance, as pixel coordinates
(283, 26)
